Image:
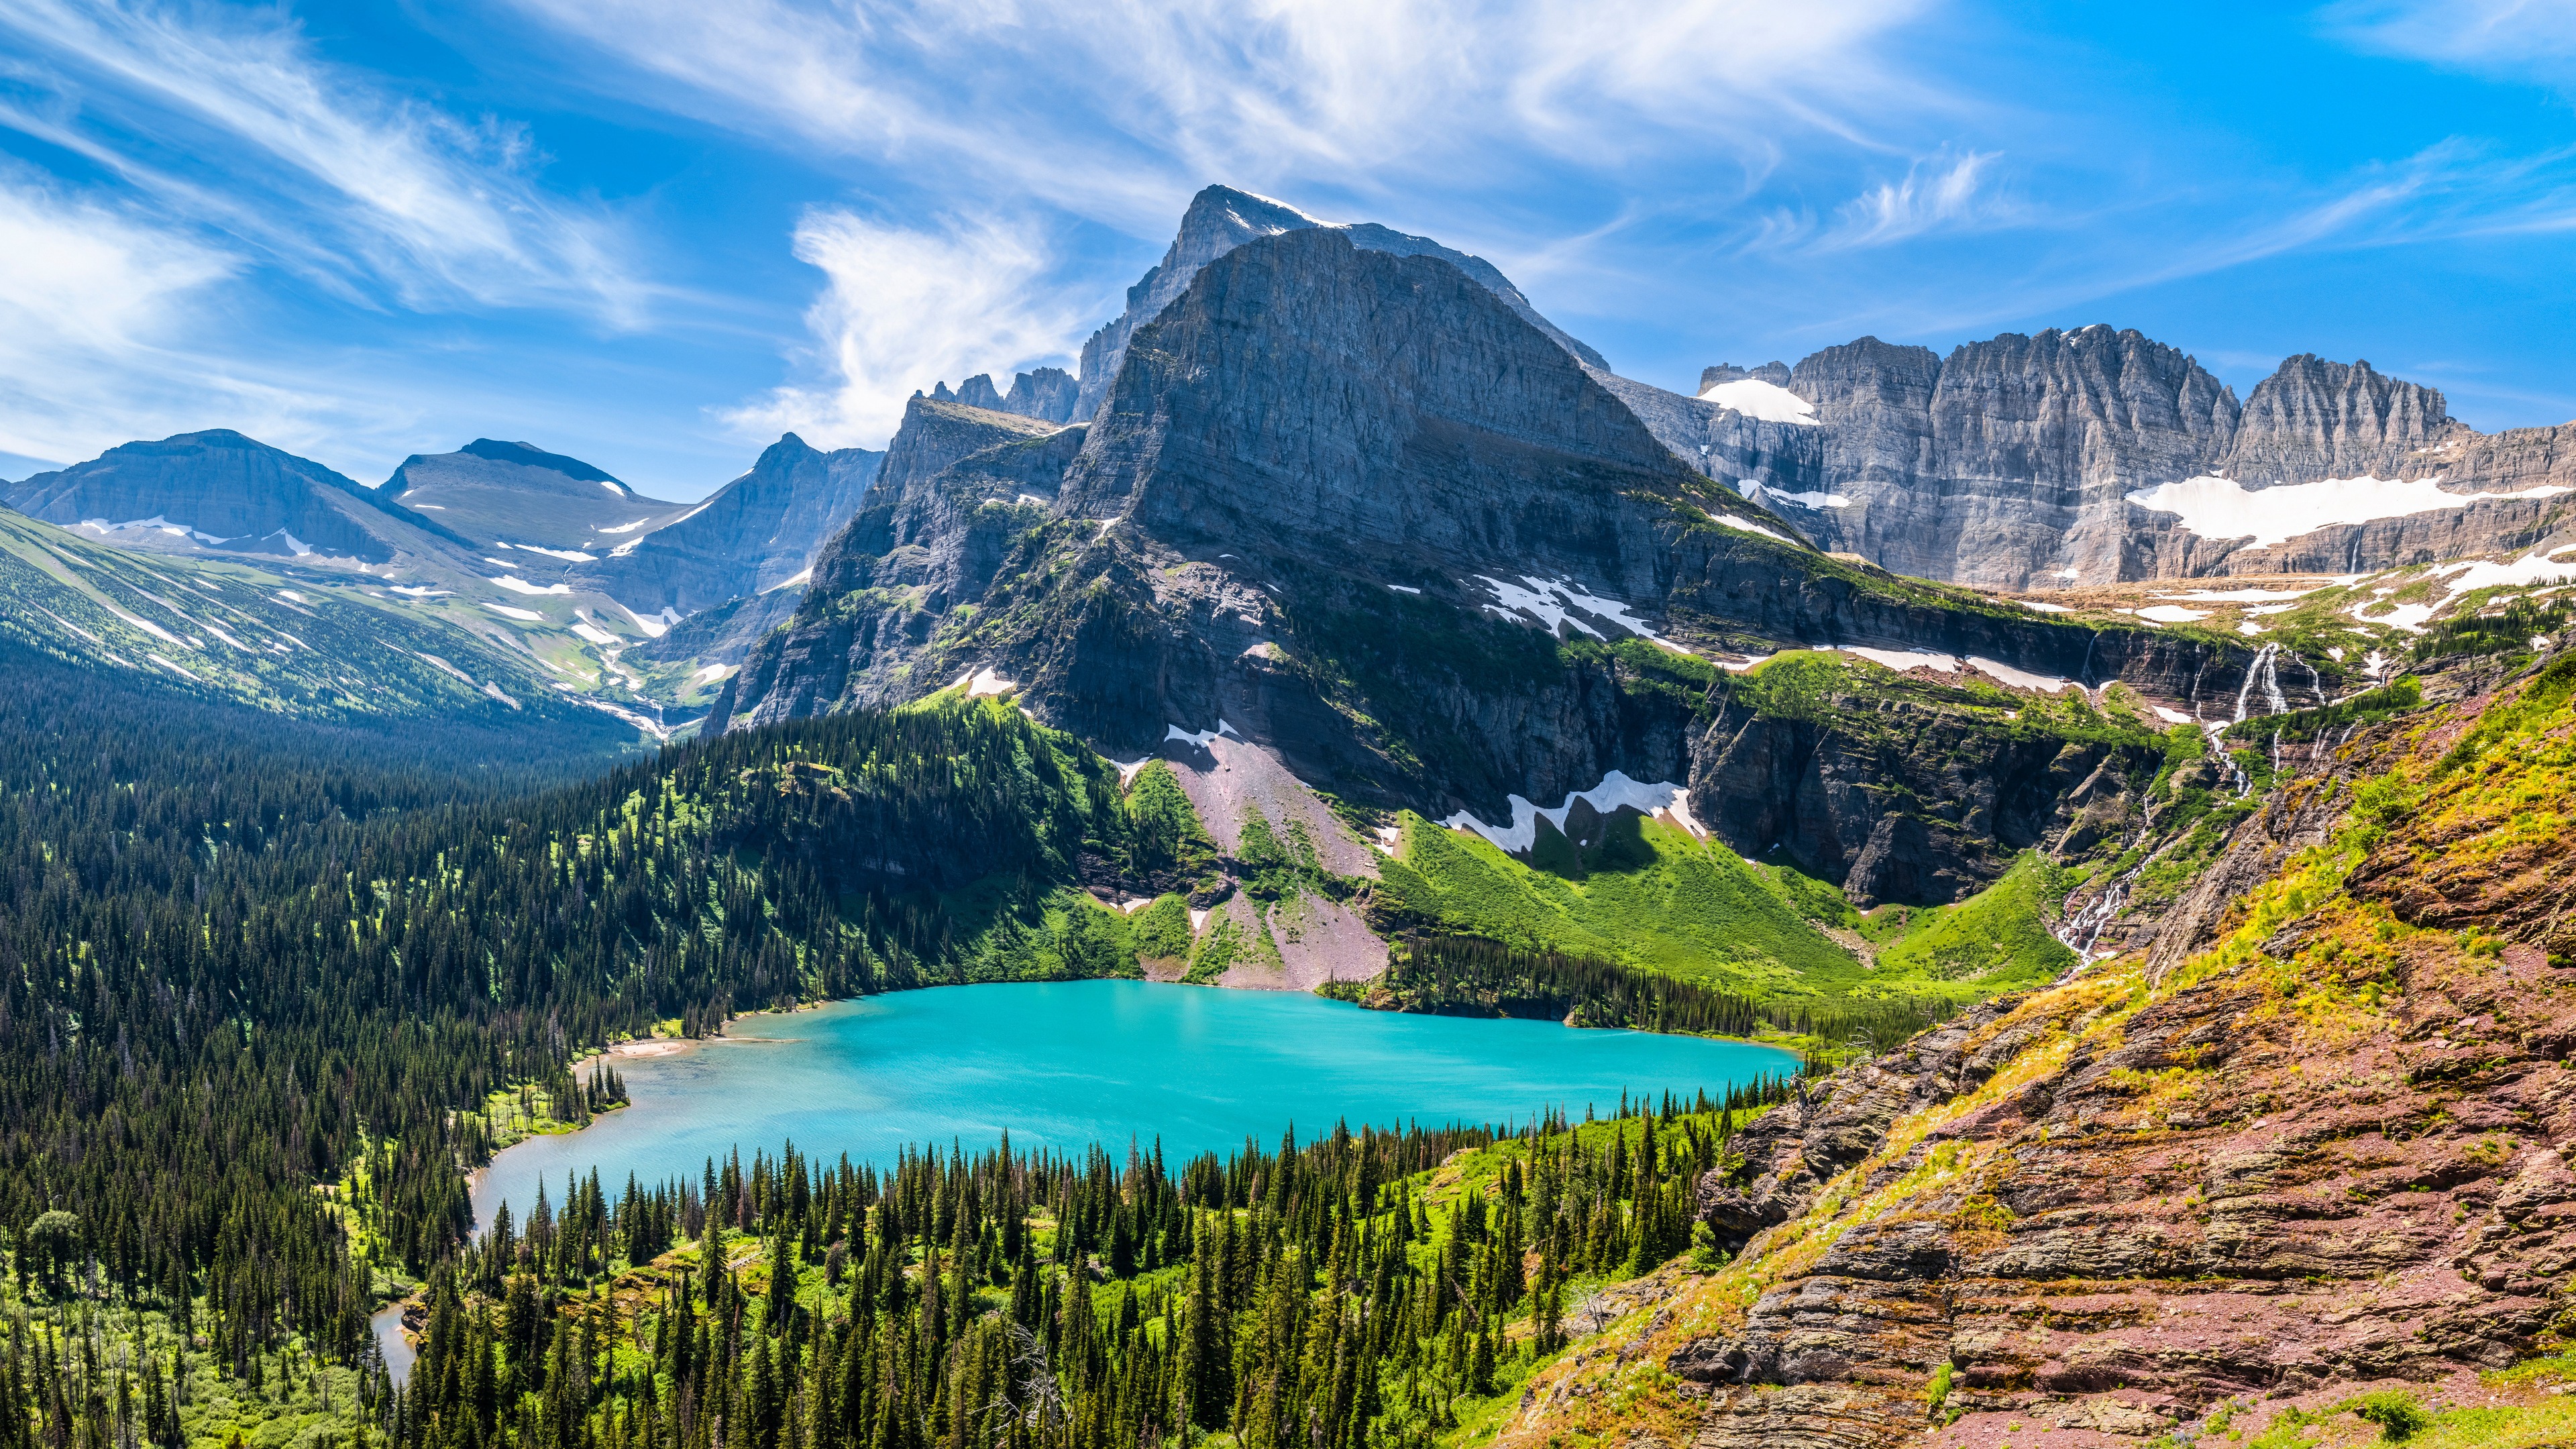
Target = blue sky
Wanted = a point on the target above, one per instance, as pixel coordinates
(657, 233)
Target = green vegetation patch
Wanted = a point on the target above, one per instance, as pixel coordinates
(1993, 942)
(1649, 896)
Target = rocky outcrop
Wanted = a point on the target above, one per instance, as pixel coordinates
(758, 533)
(954, 490)
(505, 494)
(2009, 463)
(1895, 798)
(2283, 1148)
(1048, 394)
(1774, 373)
(1347, 502)
(218, 491)
(2314, 419)
(2196, 1204)
(1220, 219)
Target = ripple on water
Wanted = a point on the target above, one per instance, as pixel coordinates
(1064, 1064)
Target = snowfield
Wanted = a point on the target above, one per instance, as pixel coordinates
(1768, 401)
(2225, 508)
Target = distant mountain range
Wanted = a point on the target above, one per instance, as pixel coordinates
(1357, 432)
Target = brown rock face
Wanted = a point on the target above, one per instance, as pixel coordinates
(2338, 1155)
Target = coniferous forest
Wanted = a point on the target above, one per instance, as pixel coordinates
(261, 983)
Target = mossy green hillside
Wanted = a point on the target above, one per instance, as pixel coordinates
(1995, 941)
(1648, 896)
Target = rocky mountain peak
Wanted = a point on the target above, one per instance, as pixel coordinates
(1453, 369)
(1047, 394)
(218, 489)
(2314, 419)
(529, 455)
(1774, 373)
(1220, 219)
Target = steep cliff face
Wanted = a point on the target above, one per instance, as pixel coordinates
(2309, 1137)
(1220, 219)
(2010, 463)
(758, 533)
(1356, 508)
(1048, 394)
(1888, 789)
(503, 494)
(2036, 441)
(2314, 419)
(218, 490)
(955, 487)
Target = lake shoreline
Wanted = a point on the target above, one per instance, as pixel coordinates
(872, 1073)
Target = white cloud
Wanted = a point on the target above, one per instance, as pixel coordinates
(902, 308)
(434, 210)
(1117, 111)
(2515, 37)
(1946, 197)
(96, 312)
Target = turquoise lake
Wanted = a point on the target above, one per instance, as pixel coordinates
(1062, 1065)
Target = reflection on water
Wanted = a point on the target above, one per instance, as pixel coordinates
(1065, 1064)
(387, 1326)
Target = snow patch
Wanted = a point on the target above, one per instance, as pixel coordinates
(649, 726)
(494, 690)
(2170, 716)
(1901, 660)
(593, 633)
(800, 578)
(418, 591)
(1614, 791)
(1742, 526)
(1203, 738)
(1742, 666)
(566, 554)
(173, 668)
(1127, 769)
(293, 597)
(1403, 589)
(1768, 401)
(518, 585)
(655, 626)
(2036, 605)
(2224, 508)
(1810, 500)
(530, 616)
(2168, 614)
(2524, 572)
(611, 487)
(1555, 603)
(624, 527)
(2021, 678)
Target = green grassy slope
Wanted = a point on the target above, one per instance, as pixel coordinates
(223, 630)
(1993, 942)
(1650, 896)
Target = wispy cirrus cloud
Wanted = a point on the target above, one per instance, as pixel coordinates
(1945, 195)
(2526, 38)
(904, 306)
(98, 315)
(1117, 111)
(383, 198)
